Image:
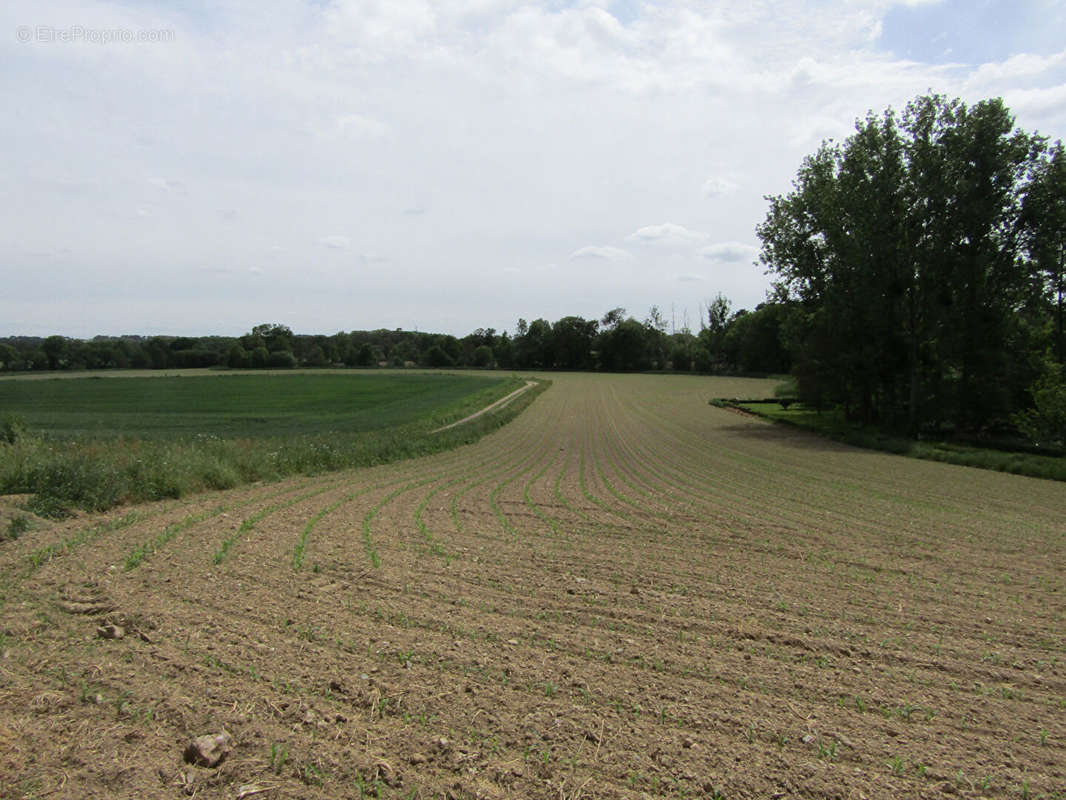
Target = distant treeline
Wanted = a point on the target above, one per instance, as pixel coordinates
(745, 341)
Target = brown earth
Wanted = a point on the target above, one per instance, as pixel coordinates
(624, 593)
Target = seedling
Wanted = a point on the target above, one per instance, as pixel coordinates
(279, 754)
(312, 776)
(828, 752)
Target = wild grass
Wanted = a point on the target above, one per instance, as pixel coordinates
(833, 426)
(94, 473)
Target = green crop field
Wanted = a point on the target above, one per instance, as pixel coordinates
(234, 405)
(93, 443)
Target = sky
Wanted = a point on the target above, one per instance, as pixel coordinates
(192, 167)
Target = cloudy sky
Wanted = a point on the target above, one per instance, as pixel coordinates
(195, 167)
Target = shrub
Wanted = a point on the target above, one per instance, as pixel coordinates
(1046, 422)
(436, 357)
(281, 359)
(12, 429)
(17, 526)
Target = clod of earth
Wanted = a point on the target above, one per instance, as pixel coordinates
(110, 631)
(208, 751)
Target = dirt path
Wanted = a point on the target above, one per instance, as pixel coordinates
(624, 593)
(491, 407)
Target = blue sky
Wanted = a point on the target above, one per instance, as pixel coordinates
(973, 31)
(445, 164)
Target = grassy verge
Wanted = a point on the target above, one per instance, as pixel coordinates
(832, 425)
(96, 474)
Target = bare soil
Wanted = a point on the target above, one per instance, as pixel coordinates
(625, 593)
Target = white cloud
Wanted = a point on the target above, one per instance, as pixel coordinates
(168, 184)
(729, 251)
(604, 253)
(717, 186)
(350, 126)
(1023, 65)
(335, 242)
(1046, 106)
(690, 278)
(666, 234)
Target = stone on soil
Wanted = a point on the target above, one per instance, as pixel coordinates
(208, 751)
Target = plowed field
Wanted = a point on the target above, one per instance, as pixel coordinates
(624, 593)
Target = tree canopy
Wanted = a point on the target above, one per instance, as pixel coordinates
(918, 252)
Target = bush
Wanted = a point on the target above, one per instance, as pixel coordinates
(281, 359)
(483, 356)
(436, 357)
(12, 429)
(238, 358)
(1046, 423)
(17, 526)
(83, 482)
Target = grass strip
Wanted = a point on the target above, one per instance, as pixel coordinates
(832, 426)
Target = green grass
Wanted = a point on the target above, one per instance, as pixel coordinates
(319, 423)
(232, 405)
(833, 425)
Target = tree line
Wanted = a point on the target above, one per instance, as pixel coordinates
(924, 261)
(725, 341)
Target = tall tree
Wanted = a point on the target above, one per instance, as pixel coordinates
(572, 338)
(903, 247)
(55, 347)
(1044, 215)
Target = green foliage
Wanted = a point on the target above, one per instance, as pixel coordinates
(16, 526)
(238, 358)
(747, 341)
(12, 429)
(624, 347)
(834, 425)
(365, 356)
(483, 356)
(260, 357)
(9, 357)
(902, 247)
(281, 359)
(534, 345)
(55, 347)
(1046, 423)
(437, 358)
(572, 341)
(1044, 216)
